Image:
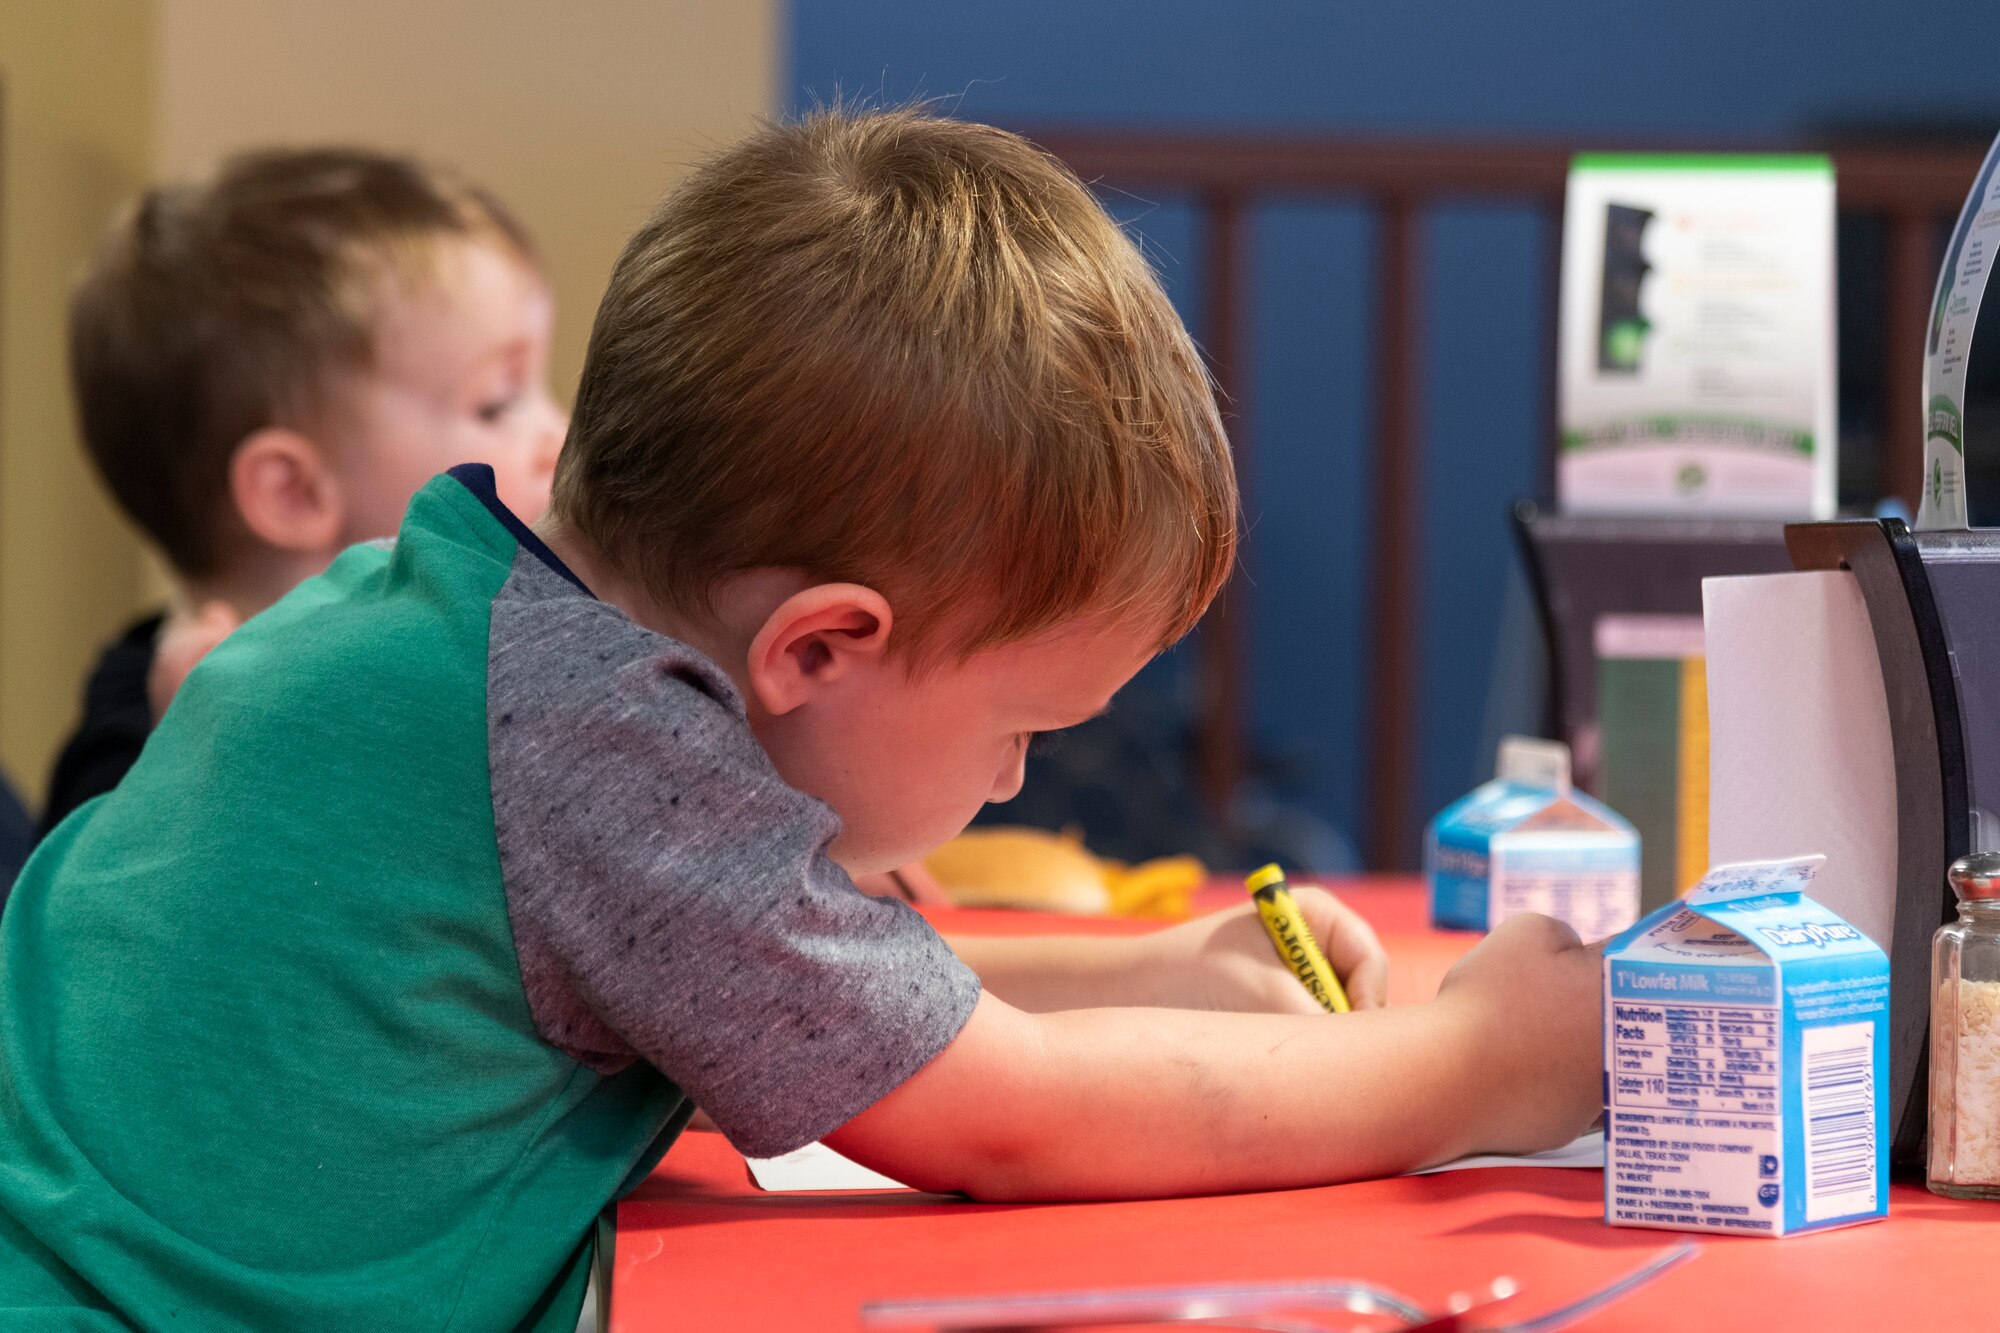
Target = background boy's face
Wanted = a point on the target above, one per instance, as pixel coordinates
(460, 375)
(906, 763)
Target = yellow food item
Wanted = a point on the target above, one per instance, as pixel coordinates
(1164, 886)
(1053, 872)
(1021, 867)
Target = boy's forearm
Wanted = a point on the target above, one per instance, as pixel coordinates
(1119, 1103)
(1210, 1103)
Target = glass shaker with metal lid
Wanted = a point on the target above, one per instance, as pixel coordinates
(1965, 1036)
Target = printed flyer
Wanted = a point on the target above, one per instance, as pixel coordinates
(1696, 349)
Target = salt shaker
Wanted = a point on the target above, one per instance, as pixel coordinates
(1965, 1036)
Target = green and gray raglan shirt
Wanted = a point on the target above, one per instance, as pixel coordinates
(439, 896)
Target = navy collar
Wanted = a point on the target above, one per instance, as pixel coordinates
(478, 478)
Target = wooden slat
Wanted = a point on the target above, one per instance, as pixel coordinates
(1394, 734)
(1225, 630)
(1910, 280)
(1871, 178)
(1265, 165)
(1552, 246)
(1909, 178)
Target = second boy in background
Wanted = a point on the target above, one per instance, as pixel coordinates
(267, 364)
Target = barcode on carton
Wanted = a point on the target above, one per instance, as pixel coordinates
(1838, 1082)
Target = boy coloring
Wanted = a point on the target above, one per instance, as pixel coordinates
(451, 884)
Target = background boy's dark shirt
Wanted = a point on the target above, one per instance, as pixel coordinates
(17, 832)
(117, 718)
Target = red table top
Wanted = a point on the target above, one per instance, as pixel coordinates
(700, 1248)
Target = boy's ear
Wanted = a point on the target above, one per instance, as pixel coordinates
(286, 493)
(815, 638)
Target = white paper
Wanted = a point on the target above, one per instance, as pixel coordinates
(816, 1167)
(1584, 1153)
(1800, 759)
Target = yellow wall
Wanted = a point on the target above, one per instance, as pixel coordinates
(579, 116)
(75, 101)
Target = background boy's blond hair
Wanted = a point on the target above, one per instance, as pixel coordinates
(219, 307)
(911, 353)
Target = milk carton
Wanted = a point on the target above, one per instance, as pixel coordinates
(1746, 1052)
(1526, 842)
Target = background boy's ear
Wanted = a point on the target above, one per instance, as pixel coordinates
(285, 492)
(816, 638)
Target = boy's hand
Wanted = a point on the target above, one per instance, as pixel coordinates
(1529, 998)
(1226, 960)
(185, 638)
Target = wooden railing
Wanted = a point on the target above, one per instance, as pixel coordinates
(1912, 188)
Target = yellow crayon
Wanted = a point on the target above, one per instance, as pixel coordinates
(1293, 938)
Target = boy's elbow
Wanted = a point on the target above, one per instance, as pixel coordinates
(991, 1158)
(984, 1118)
(1002, 1169)
(1016, 1179)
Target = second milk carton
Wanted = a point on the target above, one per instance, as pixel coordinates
(1746, 1050)
(1526, 842)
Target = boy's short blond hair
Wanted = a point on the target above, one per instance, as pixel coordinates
(218, 307)
(911, 353)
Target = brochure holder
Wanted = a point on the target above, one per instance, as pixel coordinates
(1932, 599)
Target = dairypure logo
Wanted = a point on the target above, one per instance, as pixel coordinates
(1461, 863)
(1818, 936)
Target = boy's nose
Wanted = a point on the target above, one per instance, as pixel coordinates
(554, 431)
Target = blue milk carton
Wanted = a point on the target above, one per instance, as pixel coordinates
(1746, 1052)
(1527, 842)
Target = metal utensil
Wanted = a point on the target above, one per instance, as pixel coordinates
(1286, 1307)
(1565, 1315)
(1086, 1309)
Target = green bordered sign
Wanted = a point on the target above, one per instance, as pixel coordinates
(1696, 360)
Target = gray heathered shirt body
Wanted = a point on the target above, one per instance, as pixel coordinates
(671, 898)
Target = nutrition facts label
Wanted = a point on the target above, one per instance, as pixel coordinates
(1695, 1057)
(1693, 1132)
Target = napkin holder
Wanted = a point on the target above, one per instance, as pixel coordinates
(1933, 601)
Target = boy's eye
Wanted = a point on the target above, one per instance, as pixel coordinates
(491, 411)
(1045, 742)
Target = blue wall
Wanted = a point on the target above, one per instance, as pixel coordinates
(1709, 70)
